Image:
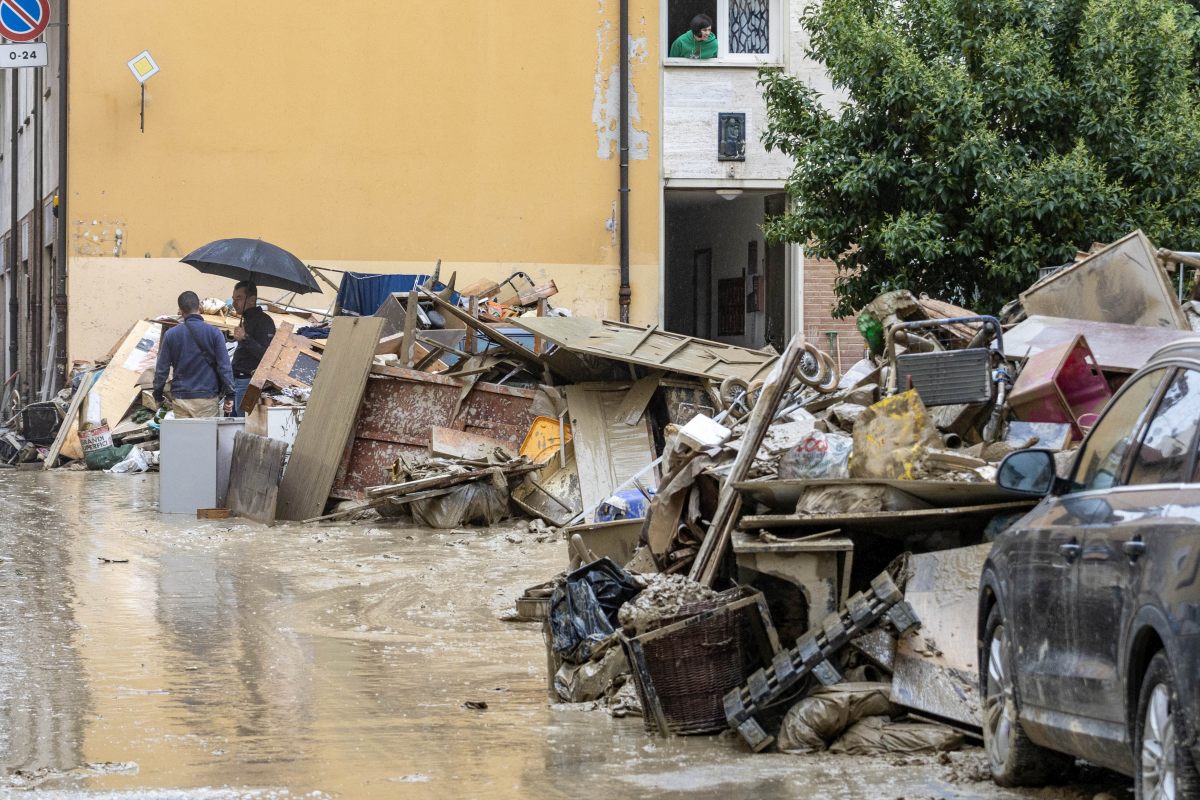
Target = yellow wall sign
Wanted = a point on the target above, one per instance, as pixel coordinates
(142, 66)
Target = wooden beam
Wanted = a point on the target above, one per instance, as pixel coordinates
(712, 549)
(69, 421)
(329, 417)
(409, 342)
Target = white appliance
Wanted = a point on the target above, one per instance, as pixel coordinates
(194, 459)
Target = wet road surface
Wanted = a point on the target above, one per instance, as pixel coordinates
(158, 656)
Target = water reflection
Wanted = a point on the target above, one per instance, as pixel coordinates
(216, 654)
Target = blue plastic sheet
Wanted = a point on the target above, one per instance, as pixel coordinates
(362, 293)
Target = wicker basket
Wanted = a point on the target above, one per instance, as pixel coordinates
(684, 668)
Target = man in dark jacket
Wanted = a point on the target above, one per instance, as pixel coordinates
(253, 337)
(195, 356)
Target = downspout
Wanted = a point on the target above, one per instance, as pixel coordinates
(626, 292)
(13, 248)
(37, 247)
(60, 226)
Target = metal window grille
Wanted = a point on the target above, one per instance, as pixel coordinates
(749, 26)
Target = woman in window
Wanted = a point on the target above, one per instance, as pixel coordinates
(698, 42)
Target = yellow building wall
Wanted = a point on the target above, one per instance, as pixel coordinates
(481, 132)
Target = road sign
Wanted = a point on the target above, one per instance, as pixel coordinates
(142, 66)
(23, 20)
(15, 56)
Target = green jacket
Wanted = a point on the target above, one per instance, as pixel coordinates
(688, 46)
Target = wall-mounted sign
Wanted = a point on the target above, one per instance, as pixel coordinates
(142, 66)
(16, 56)
(23, 20)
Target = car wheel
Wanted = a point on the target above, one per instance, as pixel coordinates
(1015, 761)
(1165, 770)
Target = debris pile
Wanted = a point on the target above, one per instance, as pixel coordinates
(834, 526)
(754, 540)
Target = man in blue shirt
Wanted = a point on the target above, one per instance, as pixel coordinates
(195, 355)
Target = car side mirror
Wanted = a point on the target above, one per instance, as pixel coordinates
(1027, 472)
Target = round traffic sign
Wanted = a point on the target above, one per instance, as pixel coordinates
(23, 20)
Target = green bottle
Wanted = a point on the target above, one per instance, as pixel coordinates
(872, 330)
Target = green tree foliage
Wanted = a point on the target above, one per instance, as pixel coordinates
(983, 139)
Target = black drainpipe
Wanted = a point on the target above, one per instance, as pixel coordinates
(60, 227)
(626, 292)
(37, 246)
(14, 250)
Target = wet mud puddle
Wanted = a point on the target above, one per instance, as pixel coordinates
(145, 655)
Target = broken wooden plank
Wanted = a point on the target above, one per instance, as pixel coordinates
(487, 330)
(329, 417)
(884, 523)
(254, 476)
(654, 349)
(712, 549)
(291, 360)
(408, 342)
(527, 297)
(69, 422)
(634, 404)
(784, 494)
(607, 451)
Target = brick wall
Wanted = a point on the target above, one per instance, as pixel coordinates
(819, 301)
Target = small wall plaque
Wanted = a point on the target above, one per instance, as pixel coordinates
(731, 136)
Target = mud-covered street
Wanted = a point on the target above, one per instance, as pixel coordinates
(147, 655)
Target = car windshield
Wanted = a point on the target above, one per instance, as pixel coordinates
(1100, 459)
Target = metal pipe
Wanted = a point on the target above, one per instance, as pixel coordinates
(14, 308)
(37, 245)
(623, 70)
(60, 228)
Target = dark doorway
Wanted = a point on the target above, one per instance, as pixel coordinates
(776, 278)
(714, 244)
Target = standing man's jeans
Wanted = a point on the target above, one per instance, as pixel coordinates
(240, 385)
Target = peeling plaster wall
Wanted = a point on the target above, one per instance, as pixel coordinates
(606, 104)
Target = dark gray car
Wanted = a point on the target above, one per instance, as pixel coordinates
(1089, 606)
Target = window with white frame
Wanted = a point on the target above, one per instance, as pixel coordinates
(747, 31)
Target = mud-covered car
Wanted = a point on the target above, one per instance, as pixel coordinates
(1089, 606)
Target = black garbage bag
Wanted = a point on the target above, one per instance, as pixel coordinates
(583, 610)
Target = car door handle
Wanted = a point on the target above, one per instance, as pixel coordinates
(1134, 548)
(1070, 550)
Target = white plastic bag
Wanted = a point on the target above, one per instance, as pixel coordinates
(818, 455)
(134, 462)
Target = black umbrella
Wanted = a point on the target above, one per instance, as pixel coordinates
(253, 260)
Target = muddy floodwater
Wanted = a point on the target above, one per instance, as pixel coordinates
(146, 655)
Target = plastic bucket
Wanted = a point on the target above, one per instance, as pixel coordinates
(95, 439)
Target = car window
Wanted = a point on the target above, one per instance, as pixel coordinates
(1166, 449)
(1100, 459)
